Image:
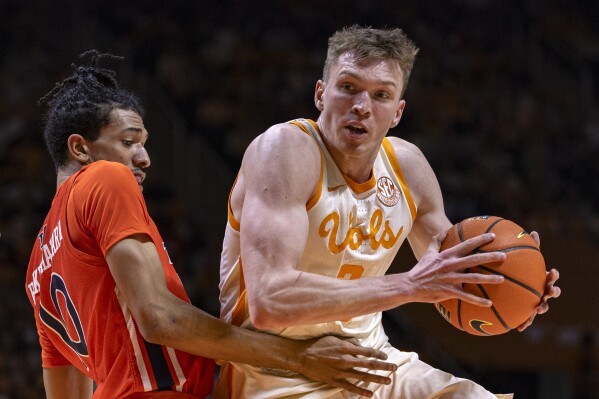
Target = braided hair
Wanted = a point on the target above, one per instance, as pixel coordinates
(82, 104)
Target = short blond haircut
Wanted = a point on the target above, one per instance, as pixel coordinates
(366, 42)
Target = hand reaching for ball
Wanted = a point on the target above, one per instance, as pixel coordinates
(439, 275)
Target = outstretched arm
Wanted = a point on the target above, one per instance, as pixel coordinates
(274, 228)
(67, 382)
(165, 319)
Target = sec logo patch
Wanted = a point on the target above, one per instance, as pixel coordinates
(387, 192)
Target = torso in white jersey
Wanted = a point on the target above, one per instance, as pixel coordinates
(355, 231)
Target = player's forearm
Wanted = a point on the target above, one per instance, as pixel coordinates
(306, 298)
(279, 295)
(186, 328)
(164, 319)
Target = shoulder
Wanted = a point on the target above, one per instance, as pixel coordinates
(281, 157)
(104, 173)
(415, 167)
(405, 151)
(108, 168)
(283, 148)
(413, 162)
(105, 182)
(286, 138)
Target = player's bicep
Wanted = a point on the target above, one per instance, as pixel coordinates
(137, 271)
(273, 236)
(272, 243)
(274, 221)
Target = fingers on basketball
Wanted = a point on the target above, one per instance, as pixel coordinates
(523, 269)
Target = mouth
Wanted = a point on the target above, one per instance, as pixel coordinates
(356, 129)
(139, 177)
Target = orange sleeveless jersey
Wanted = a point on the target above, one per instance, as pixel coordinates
(80, 315)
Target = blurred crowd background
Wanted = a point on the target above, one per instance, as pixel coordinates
(503, 101)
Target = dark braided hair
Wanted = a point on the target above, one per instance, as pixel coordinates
(82, 104)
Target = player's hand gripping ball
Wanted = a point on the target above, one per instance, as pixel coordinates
(514, 300)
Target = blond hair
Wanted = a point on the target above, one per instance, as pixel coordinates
(366, 42)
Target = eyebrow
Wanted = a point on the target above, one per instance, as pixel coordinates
(355, 76)
(132, 129)
(135, 130)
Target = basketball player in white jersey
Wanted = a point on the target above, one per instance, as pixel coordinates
(319, 211)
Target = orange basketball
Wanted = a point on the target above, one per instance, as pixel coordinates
(514, 300)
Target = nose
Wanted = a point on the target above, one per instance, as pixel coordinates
(141, 158)
(362, 103)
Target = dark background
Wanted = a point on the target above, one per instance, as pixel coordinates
(502, 101)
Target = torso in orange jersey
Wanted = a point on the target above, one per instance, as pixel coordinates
(80, 315)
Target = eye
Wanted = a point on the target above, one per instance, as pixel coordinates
(347, 86)
(382, 95)
(127, 143)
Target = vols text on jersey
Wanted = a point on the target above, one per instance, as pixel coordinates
(355, 236)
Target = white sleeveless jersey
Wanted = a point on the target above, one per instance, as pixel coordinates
(355, 230)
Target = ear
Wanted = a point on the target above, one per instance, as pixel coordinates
(318, 95)
(79, 149)
(398, 114)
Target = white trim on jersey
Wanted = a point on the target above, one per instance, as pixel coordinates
(141, 366)
(177, 367)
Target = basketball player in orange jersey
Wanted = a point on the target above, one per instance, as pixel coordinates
(319, 211)
(108, 304)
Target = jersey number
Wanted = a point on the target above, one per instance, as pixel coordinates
(350, 272)
(59, 324)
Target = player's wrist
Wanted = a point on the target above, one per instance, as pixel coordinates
(288, 354)
(300, 358)
(405, 288)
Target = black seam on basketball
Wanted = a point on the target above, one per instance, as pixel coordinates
(493, 225)
(513, 280)
(520, 247)
(460, 314)
(460, 232)
(493, 308)
(479, 251)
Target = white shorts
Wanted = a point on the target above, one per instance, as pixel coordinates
(413, 379)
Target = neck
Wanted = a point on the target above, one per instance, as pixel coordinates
(64, 172)
(357, 166)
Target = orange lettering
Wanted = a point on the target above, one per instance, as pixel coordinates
(323, 231)
(389, 239)
(375, 224)
(354, 236)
